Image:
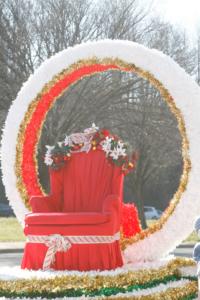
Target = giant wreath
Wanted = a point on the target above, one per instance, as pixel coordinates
(27, 114)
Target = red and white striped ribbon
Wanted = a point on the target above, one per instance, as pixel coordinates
(57, 242)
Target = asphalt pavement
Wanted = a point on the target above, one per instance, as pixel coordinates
(10, 259)
(184, 250)
(11, 253)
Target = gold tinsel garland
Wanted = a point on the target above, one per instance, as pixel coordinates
(177, 293)
(90, 282)
(164, 93)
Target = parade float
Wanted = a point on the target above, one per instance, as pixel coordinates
(59, 260)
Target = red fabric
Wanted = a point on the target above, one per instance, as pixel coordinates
(67, 218)
(87, 185)
(107, 228)
(43, 204)
(45, 102)
(88, 257)
(130, 220)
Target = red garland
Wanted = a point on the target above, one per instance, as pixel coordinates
(28, 166)
(130, 221)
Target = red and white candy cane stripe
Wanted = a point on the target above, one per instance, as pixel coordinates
(57, 242)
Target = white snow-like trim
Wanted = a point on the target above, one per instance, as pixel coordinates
(144, 292)
(186, 94)
(14, 273)
(188, 271)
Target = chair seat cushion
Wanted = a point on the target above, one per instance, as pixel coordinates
(67, 218)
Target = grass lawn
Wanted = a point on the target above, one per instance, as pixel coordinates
(11, 230)
(193, 237)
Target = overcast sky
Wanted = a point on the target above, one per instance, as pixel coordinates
(182, 13)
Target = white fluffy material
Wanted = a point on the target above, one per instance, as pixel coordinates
(188, 271)
(150, 291)
(14, 273)
(182, 88)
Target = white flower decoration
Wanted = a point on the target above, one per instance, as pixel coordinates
(114, 153)
(106, 145)
(49, 148)
(122, 152)
(66, 140)
(60, 144)
(48, 160)
(121, 149)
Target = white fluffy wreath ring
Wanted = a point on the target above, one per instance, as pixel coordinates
(28, 112)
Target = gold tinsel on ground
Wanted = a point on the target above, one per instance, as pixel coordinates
(85, 281)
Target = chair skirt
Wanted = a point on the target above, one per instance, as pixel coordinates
(79, 257)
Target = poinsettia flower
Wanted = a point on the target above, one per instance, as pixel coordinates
(121, 149)
(122, 152)
(120, 144)
(113, 147)
(106, 148)
(105, 132)
(115, 153)
(109, 139)
(106, 145)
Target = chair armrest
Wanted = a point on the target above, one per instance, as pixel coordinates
(40, 204)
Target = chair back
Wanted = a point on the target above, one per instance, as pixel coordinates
(86, 180)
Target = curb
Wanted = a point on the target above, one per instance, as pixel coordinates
(3, 251)
(186, 245)
(12, 247)
(191, 245)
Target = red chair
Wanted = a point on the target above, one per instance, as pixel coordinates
(77, 226)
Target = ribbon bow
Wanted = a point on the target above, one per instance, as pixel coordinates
(55, 242)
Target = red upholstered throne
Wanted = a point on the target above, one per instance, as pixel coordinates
(85, 200)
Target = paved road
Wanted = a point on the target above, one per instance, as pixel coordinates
(13, 259)
(186, 252)
(10, 259)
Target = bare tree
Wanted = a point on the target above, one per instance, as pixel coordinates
(173, 42)
(128, 106)
(198, 55)
(16, 58)
(31, 31)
